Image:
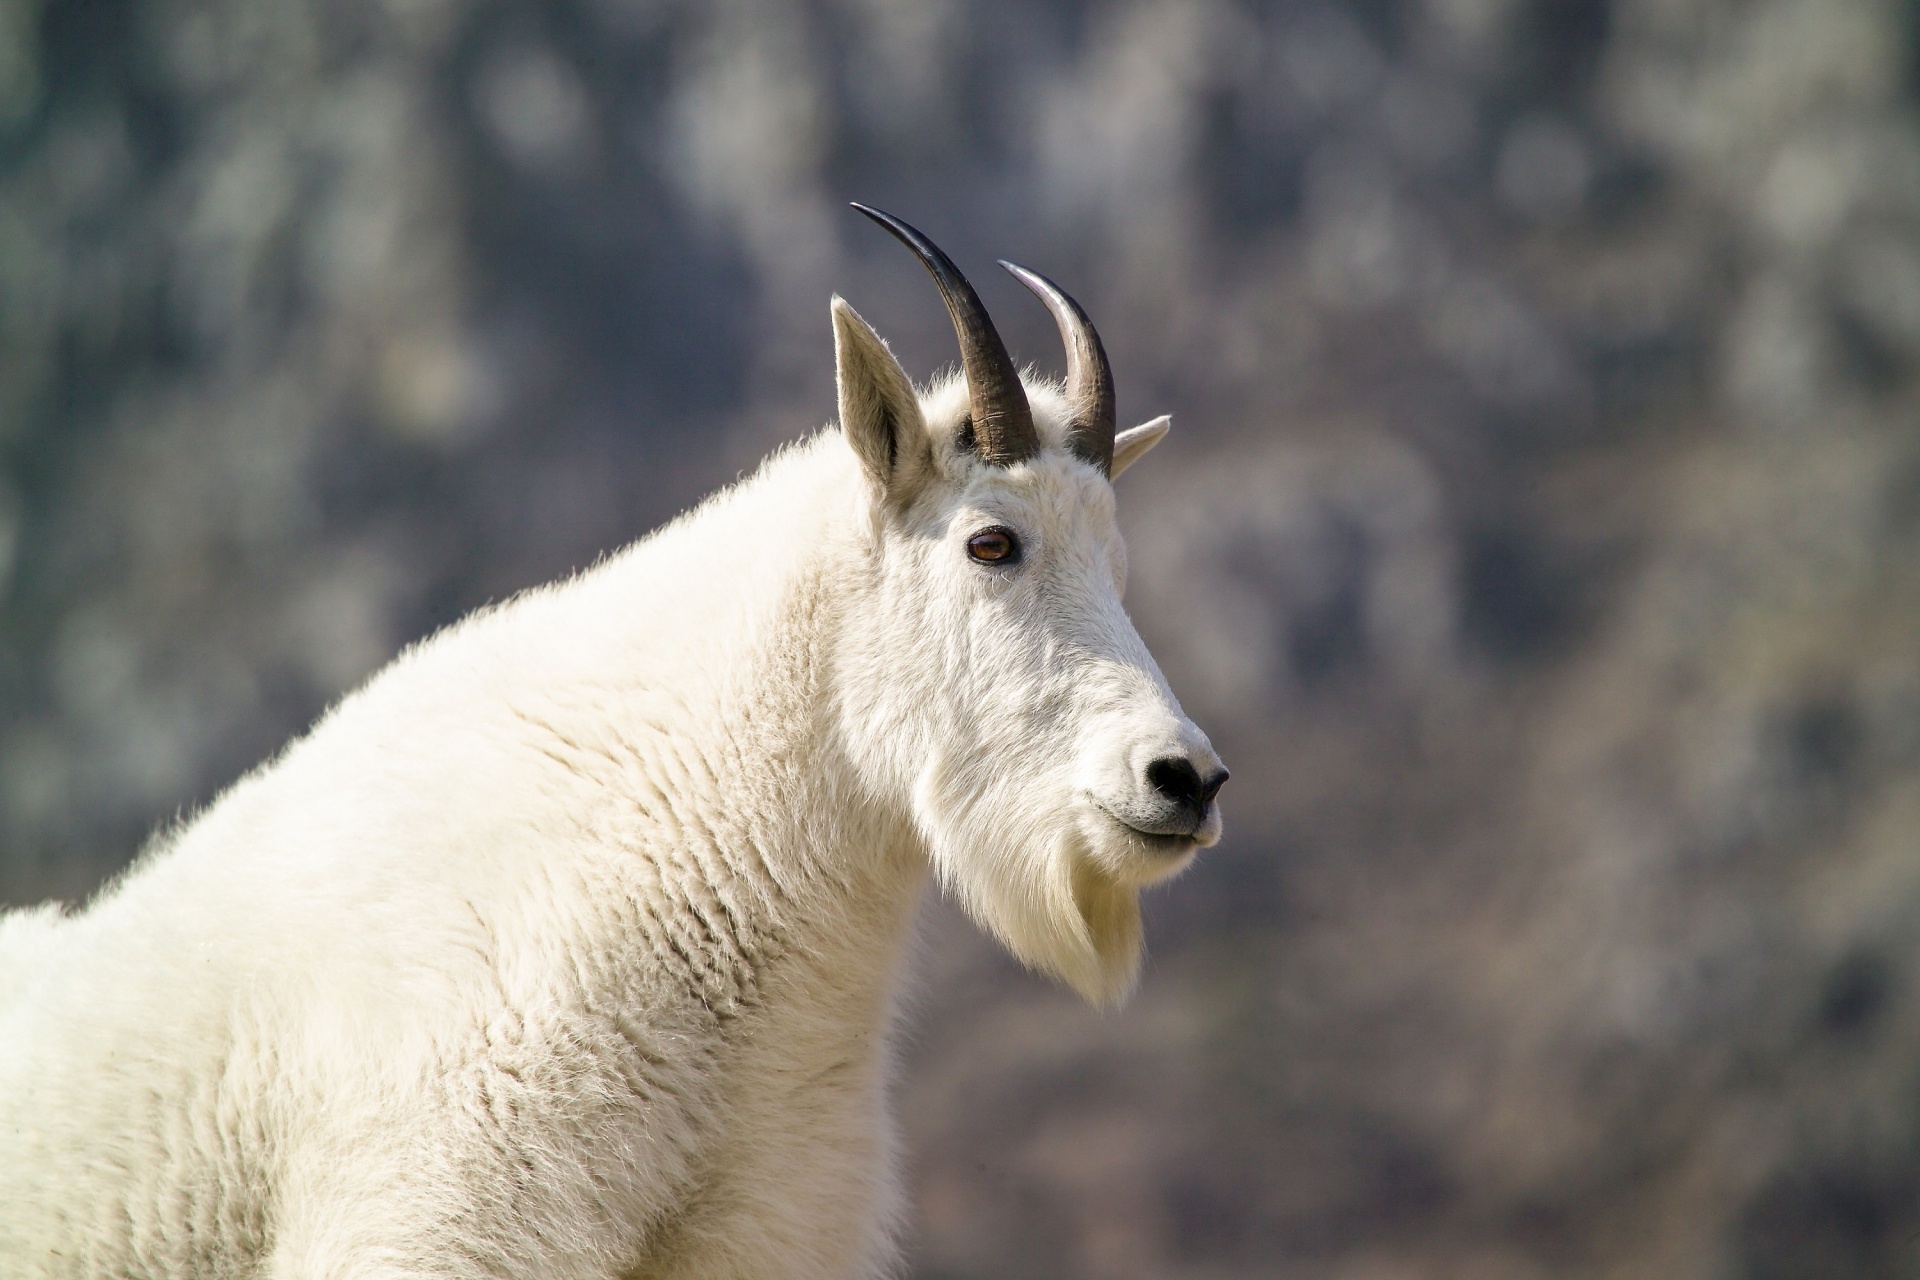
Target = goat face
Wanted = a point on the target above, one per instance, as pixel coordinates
(992, 678)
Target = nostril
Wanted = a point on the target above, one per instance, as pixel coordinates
(1176, 779)
(1211, 784)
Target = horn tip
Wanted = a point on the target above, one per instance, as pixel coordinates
(884, 219)
(904, 232)
(1038, 285)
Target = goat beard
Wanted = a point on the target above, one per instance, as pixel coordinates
(1044, 894)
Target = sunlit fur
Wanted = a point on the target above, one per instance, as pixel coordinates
(566, 948)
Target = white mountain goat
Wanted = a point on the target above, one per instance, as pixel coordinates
(565, 949)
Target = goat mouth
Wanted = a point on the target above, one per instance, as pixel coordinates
(1168, 843)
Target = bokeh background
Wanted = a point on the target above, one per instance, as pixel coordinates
(1537, 539)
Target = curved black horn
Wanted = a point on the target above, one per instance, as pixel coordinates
(1002, 420)
(1090, 400)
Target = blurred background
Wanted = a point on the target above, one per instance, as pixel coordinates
(1537, 539)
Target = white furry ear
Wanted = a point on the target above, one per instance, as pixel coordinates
(1131, 445)
(879, 413)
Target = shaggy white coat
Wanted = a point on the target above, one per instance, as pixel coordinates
(564, 949)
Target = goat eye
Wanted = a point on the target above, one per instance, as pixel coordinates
(994, 546)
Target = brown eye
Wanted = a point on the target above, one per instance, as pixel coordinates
(994, 546)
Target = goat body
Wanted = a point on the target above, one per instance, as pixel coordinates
(568, 915)
(566, 947)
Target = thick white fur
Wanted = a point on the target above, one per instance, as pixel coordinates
(565, 948)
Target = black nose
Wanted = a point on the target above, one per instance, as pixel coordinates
(1175, 778)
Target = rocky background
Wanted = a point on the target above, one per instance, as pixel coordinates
(1538, 538)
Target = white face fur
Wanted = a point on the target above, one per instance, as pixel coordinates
(993, 677)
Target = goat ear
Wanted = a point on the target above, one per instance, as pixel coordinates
(1131, 445)
(879, 413)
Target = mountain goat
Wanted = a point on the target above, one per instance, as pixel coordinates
(565, 948)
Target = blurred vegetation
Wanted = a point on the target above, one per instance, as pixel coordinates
(1537, 541)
